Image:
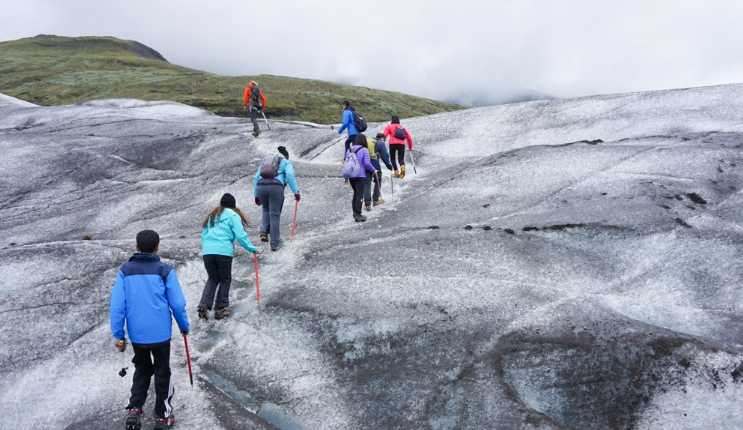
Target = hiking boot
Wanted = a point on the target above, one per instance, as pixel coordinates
(279, 246)
(164, 423)
(402, 172)
(378, 202)
(256, 133)
(133, 419)
(264, 237)
(203, 310)
(367, 208)
(359, 218)
(396, 174)
(221, 313)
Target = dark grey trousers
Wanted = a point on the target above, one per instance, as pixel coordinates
(272, 201)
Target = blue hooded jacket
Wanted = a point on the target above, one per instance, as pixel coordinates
(348, 122)
(145, 293)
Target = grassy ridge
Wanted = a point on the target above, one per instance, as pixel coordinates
(54, 70)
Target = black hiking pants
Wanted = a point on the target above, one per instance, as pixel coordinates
(400, 150)
(350, 141)
(219, 269)
(358, 193)
(149, 360)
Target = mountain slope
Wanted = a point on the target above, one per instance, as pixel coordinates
(556, 264)
(54, 70)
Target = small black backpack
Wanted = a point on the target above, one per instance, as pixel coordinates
(358, 121)
(255, 94)
(399, 133)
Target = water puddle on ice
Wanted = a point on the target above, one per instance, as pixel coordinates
(268, 411)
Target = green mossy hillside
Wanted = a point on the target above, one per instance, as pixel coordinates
(54, 70)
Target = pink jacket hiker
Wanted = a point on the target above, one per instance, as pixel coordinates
(389, 131)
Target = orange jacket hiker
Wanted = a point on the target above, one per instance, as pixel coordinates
(246, 96)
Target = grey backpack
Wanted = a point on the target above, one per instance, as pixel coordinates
(270, 166)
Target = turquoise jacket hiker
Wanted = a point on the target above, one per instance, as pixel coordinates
(220, 239)
(348, 122)
(145, 293)
(284, 174)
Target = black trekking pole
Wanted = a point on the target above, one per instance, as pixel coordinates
(122, 372)
(264, 119)
(376, 174)
(392, 187)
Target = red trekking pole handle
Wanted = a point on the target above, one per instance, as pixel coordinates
(188, 359)
(294, 223)
(257, 285)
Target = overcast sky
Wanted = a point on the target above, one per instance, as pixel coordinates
(446, 50)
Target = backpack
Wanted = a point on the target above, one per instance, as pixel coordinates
(400, 133)
(351, 167)
(371, 145)
(358, 121)
(270, 166)
(255, 94)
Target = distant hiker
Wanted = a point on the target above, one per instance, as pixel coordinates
(348, 123)
(274, 173)
(221, 228)
(377, 149)
(254, 101)
(144, 295)
(357, 159)
(398, 135)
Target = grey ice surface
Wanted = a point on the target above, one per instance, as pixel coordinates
(556, 264)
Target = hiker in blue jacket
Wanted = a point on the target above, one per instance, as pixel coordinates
(222, 227)
(377, 150)
(144, 295)
(269, 193)
(348, 123)
(362, 155)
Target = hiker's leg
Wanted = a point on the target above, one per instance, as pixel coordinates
(224, 267)
(263, 192)
(393, 151)
(212, 271)
(164, 389)
(367, 189)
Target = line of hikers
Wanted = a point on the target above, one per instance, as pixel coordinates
(147, 291)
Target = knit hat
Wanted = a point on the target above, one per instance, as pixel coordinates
(228, 201)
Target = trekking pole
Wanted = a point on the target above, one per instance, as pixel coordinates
(188, 359)
(392, 187)
(257, 285)
(264, 119)
(376, 173)
(294, 223)
(413, 160)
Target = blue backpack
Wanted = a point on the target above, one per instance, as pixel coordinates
(351, 167)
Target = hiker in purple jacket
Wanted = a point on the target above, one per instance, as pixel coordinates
(358, 183)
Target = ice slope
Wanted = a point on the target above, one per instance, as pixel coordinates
(554, 264)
